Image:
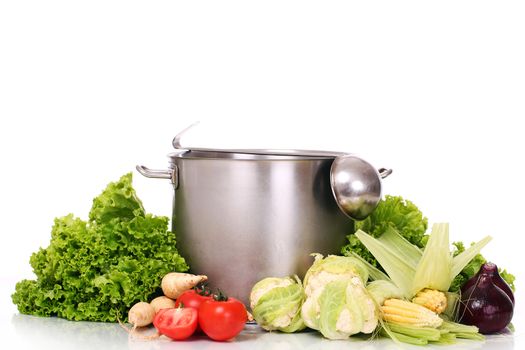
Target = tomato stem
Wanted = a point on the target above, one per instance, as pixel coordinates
(220, 296)
(202, 289)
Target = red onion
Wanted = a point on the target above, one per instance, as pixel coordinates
(490, 268)
(486, 301)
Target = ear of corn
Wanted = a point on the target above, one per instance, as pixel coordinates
(420, 276)
(431, 299)
(408, 313)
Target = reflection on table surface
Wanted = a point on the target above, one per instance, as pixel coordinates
(56, 333)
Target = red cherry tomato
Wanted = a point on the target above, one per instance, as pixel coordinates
(176, 323)
(222, 319)
(191, 298)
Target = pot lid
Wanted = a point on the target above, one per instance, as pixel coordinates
(255, 152)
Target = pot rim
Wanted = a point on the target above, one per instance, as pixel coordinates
(255, 154)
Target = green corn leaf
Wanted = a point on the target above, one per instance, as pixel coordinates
(427, 333)
(373, 272)
(434, 268)
(399, 271)
(403, 248)
(460, 261)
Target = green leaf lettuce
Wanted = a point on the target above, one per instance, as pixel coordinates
(96, 270)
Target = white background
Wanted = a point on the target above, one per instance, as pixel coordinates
(434, 90)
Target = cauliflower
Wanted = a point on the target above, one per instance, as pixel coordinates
(276, 304)
(337, 303)
(266, 285)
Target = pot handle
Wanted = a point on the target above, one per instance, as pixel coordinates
(176, 139)
(170, 174)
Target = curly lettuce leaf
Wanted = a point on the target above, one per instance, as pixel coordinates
(118, 201)
(96, 270)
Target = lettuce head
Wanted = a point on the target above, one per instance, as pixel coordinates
(96, 270)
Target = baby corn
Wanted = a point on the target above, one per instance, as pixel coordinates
(408, 313)
(431, 299)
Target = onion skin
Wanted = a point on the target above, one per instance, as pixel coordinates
(484, 304)
(491, 269)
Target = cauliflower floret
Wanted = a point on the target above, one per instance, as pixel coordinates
(371, 318)
(368, 309)
(311, 309)
(285, 320)
(322, 278)
(346, 323)
(356, 281)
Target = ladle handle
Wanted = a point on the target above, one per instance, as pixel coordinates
(384, 172)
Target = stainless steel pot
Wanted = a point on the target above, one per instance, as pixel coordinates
(242, 215)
